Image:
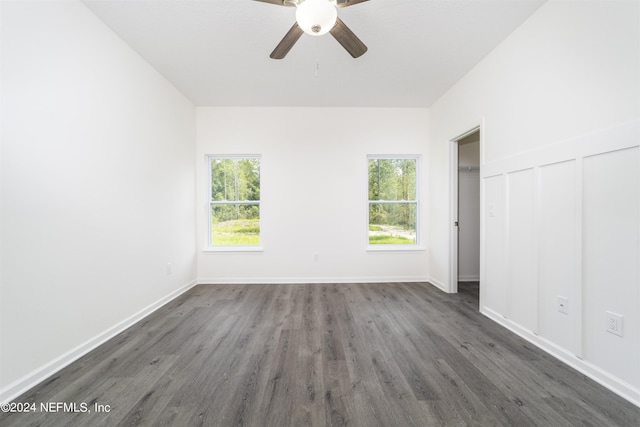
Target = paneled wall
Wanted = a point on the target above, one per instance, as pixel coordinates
(562, 222)
(558, 105)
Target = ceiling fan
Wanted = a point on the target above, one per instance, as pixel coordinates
(318, 17)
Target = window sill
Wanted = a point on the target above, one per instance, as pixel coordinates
(395, 248)
(212, 249)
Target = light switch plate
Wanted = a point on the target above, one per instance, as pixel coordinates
(563, 305)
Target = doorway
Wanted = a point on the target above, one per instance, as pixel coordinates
(465, 213)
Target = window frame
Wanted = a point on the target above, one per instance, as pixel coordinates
(209, 245)
(417, 246)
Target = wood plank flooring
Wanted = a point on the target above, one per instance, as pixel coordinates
(394, 354)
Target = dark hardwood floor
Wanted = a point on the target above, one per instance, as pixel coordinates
(396, 354)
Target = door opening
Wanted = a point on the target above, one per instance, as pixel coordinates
(465, 212)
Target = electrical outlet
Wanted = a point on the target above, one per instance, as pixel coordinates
(169, 269)
(563, 305)
(613, 323)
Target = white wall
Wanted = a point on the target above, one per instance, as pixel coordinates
(97, 188)
(469, 210)
(314, 191)
(558, 103)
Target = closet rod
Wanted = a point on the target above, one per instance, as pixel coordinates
(468, 168)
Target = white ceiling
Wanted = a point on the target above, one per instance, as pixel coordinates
(216, 52)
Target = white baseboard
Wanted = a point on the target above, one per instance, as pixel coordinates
(468, 278)
(40, 374)
(298, 280)
(616, 385)
(438, 284)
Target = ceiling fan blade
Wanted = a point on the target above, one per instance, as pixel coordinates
(287, 42)
(346, 3)
(348, 39)
(280, 2)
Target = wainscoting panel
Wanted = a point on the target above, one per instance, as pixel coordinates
(494, 219)
(611, 210)
(521, 250)
(561, 248)
(558, 254)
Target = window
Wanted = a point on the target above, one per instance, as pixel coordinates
(393, 200)
(234, 206)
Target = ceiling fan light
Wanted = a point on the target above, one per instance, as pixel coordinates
(316, 17)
